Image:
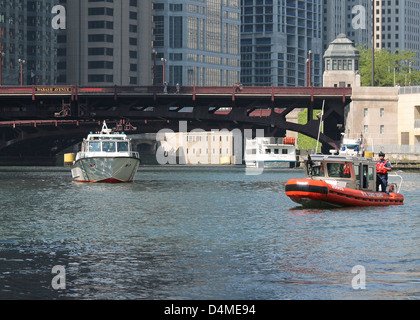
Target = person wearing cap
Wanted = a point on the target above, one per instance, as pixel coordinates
(382, 168)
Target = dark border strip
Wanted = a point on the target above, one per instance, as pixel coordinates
(306, 188)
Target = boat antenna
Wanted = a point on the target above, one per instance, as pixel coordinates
(320, 125)
(105, 129)
(373, 146)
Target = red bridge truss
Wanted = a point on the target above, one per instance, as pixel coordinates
(62, 114)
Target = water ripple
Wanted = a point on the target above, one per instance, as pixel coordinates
(198, 233)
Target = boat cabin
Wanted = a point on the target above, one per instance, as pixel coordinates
(342, 170)
(106, 144)
(271, 152)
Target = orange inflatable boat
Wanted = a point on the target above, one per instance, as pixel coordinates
(339, 181)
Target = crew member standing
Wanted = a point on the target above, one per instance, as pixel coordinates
(382, 168)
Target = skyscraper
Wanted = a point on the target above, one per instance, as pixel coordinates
(198, 40)
(26, 33)
(106, 43)
(350, 17)
(276, 38)
(397, 26)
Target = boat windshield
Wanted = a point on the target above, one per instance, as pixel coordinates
(108, 146)
(316, 169)
(339, 170)
(95, 146)
(122, 146)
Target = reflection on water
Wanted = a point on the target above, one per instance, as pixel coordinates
(198, 233)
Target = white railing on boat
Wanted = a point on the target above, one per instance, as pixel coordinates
(130, 154)
(398, 185)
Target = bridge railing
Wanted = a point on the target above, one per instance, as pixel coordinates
(35, 123)
(395, 150)
(116, 90)
(409, 90)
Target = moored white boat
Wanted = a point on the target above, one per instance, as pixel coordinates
(105, 157)
(265, 152)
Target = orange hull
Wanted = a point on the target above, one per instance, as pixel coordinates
(310, 192)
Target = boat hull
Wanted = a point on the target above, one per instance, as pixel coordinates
(105, 169)
(316, 193)
(281, 164)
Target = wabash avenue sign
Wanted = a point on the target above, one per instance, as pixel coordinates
(53, 90)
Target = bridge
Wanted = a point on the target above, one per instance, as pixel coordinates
(41, 121)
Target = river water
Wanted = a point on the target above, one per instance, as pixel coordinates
(199, 233)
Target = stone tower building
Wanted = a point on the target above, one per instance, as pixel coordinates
(342, 64)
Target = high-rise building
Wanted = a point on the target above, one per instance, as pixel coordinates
(106, 43)
(198, 40)
(349, 17)
(276, 38)
(26, 34)
(397, 26)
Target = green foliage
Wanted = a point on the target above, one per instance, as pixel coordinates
(305, 142)
(402, 62)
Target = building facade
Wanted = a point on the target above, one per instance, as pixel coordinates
(341, 64)
(372, 115)
(198, 42)
(200, 148)
(397, 26)
(26, 33)
(276, 38)
(350, 17)
(409, 120)
(106, 43)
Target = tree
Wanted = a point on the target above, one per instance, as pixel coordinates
(391, 68)
(305, 142)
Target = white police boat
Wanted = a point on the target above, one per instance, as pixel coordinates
(105, 157)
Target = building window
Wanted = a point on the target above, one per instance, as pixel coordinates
(405, 138)
(365, 112)
(366, 129)
(382, 112)
(382, 129)
(175, 36)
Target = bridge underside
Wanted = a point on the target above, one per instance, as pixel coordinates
(43, 126)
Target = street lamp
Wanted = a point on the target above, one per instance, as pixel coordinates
(1, 64)
(164, 70)
(154, 66)
(21, 71)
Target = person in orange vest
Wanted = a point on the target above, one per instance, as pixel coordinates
(382, 169)
(346, 172)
